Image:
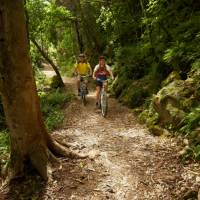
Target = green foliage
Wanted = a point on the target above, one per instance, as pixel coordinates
(191, 121)
(41, 80)
(130, 62)
(55, 82)
(50, 26)
(4, 150)
(119, 84)
(52, 103)
(56, 97)
(133, 96)
(4, 142)
(192, 152)
(195, 75)
(54, 119)
(152, 39)
(149, 116)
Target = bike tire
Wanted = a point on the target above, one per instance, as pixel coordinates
(83, 98)
(104, 104)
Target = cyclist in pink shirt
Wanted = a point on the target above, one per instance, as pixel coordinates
(101, 73)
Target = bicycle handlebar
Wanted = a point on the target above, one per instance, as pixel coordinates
(84, 76)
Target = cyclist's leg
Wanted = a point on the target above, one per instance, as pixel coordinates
(86, 82)
(78, 84)
(98, 90)
(105, 84)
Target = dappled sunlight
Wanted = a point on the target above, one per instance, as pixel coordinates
(140, 140)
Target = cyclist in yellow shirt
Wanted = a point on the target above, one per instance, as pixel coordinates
(82, 68)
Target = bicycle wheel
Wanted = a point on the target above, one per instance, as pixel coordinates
(83, 99)
(104, 104)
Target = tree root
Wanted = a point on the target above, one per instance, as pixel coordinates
(60, 150)
(63, 143)
(43, 157)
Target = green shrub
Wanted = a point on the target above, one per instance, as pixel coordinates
(133, 96)
(42, 81)
(4, 142)
(54, 119)
(192, 152)
(55, 82)
(191, 121)
(4, 150)
(52, 103)
(119, 85)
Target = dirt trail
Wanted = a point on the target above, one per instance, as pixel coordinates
(130, 164)
(126, 162)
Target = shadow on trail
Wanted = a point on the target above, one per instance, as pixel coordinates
(29, 187)
(75, 176)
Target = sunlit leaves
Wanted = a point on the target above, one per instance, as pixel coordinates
(106, 18)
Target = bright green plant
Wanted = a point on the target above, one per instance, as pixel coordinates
(191, 121)
(54, 119)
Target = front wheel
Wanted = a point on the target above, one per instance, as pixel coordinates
(104, 104)
(83, 99)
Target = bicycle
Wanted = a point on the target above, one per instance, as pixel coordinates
(83, 89)
(103, 100)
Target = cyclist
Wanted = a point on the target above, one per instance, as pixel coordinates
(101, 73)
(82, 68)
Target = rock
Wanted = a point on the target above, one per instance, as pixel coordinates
(173, 100)
(184, 151)
(156, 130)
(185, 141)
(172, 77)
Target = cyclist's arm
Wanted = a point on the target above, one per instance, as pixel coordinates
(90, 69)
(75, 71)
(110, 71)
(94, 72)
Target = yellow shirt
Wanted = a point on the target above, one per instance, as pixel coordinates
(83, 68)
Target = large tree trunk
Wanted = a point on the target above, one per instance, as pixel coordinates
(30, 142)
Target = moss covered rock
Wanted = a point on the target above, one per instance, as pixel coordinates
(173, 100)
(172, 77)
(132, 92)
(171, 104)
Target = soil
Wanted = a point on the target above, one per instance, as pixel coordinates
(125, 161)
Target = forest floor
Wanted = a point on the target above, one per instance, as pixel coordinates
(126, 162)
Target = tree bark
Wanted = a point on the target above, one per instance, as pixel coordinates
(46, 57)
(29, 140)
(79, 37)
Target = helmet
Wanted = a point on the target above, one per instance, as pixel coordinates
(102, 57)
(82, 55)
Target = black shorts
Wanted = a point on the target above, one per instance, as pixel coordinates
(99, 83)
